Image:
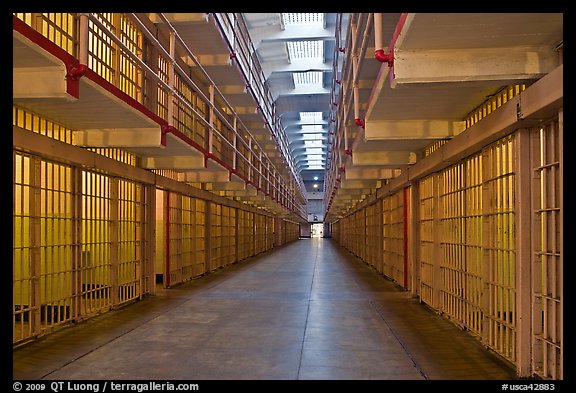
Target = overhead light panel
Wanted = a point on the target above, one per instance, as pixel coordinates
(302, 18)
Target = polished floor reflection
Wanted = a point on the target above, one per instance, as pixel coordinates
(308, 310)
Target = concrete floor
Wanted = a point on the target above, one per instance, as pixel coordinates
(308, 310)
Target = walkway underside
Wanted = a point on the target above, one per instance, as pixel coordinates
(308, 310)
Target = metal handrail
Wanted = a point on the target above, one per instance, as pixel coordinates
(253, 142)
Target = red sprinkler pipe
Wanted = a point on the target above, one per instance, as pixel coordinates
(379, 53)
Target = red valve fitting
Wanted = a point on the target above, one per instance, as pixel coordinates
(166, 128)
(77, 71)
(384, 57)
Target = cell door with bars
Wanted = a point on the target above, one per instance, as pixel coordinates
(547, 242)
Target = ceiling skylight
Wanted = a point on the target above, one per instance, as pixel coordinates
(311, 118)
(306, 54)
(305, 49)
(302, 50)
(311, 78)
(314, 139)
(313, 143)
(304, 18)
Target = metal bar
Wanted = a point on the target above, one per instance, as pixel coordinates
(207, 236)
(414, 238)
(35, 245)
(405, 240)
(167, 239)
(113, 244)
(211, 121)
(560, 261)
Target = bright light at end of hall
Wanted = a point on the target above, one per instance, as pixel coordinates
(315, 186)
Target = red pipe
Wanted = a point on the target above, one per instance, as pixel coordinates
(388, 58)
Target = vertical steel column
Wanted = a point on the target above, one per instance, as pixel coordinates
(210, 148)
(254, 235)
(207, 236)
(116, 52)
(561, 235)
(150, 236)
(524, 253)
(76, 306)
(236, 234)
(486, 236)
(35, 244)
(438, 247)
(379, 236)
(537, 347)
(114, 257)
(139, 239)
(171, 78)
(405, 249)
(150, 84)
(414, 237)
(76, 240)
(167, 239)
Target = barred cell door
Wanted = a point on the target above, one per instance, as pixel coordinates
(547, 242)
